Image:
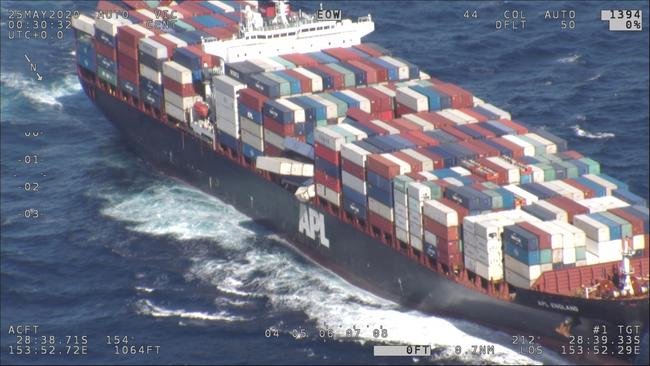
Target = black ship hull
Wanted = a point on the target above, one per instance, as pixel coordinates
(355, 256)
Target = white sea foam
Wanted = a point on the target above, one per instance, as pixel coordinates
(579, 132)
(146, 307)
(595, 77)
(253, 271)
(42, 92)
(147, 290)
(571, 59)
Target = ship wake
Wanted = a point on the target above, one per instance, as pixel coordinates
(42, 93)
(258, 268)
(579, 132)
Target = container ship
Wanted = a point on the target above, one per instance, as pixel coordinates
(402, 184)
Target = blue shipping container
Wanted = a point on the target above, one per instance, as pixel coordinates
(208, 21)
(277, 111)
(151, 98)
(253, 115)
(130, 88)
(380, 195)
(250, 151)
(379, 181)
(520, 237)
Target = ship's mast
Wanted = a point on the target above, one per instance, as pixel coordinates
(626, 269)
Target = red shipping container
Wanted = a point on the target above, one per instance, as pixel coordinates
(136, 17)
(586, 191)
(220, 33)
(378, 100)
(401, 109)
(358, 115)
(194, 8)
(440, 230)
(410, 136)
(135, 4)
(502, 173)
(571, 207)
(210, 60)
(337, 78)
(382, 166)
(342, 54)
(108, 7)
(514, 125)
(384, 115)
(517, 151)
(484, 132)
(460, 98)
(126, 62)
(251, 98)
(300, 59)
(377, 129)
(570, 155)
(184, 90)
(105, 50)
(416, 165)
(270, 150)
(353, 169)
(472, 146)
(380, 222)
(382, 73)
(305, 82)
(129, 36)
(460, 210)
(543, 237)
(448, 248)
(368, 50)
(332, 183)
(489, 149)
(416, 176)
(165, 42)
(636, 222)
(436, 119)
(327, 154)
(438, 161)
(128, 51)
(478, 116)
(404, 125)
(371, 73)
(278, 127)
(126, 74)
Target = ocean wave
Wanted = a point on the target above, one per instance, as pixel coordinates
(595, 77)
(572, 59)
(146, 307)
(252, 270)
(579, 132)
(41, 92)
(147, 290)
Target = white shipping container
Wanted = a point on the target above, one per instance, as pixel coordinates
(228, 127)
(252, 127)
(418, 191)
(454, 181)
(384, 90)
(226, 8)
(150, 74)
(592, 258)
(227, 86)
(110, 25)
(316, 81)
(328, 194)
(148, 14)
(430, 238)
(428, 175)
(84, 24)
(402, 222)
(400, 198)
(402, 235)
(284, 166)
(391, 130)
(175, 40)
(463, 116)
(461, 171)
(551, 148)
(451, 116)
(529, 149)
(609, 186)
(594, 229)
(573, 192)
(174, 111)
(638, 242)
(476, 101)
(518, 280)
(143, 30)
(441, 213)
(607, 251)
(358, 134)
(353, 182)
(177, 72)
(364, 103)
(412, 99)
(560, 238)
(568, 255)
(426, 125)
(522, 269)
(416, 242)
(579, 236)
(380, 209)
(354, 154)
(512, 170)
(273, 139)
(559, 213)
(538, 174)
(401, 210)
(180, 102)
(601, 204)
(329, 138)
(252, 140)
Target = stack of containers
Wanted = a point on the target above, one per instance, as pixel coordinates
(328, 141)
(417, 194)
(441, 223)
(604, 236)
(226, 97)
(638, 219)
(85, 31)
(178, 90)
(353, 167)
(194, 59)
(381, 169)
(522, 245)
(128, 38)
(106, 47)
(601, 204)
(250, 108)
(151, 55)
(280, 119)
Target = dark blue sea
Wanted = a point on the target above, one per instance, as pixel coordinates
(119, 249)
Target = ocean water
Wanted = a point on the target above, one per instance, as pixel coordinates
(119, 249)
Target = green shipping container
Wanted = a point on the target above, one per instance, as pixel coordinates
(341, 106)
(581, 253)
(540, 149)
(349, 137)
(400, 182)
(348, 76)
(497, 200)
(424, 82)
(321, 123)
(285, 86)
(284, 62)
(436, 192)
(594, 166)
(184, 26)
(545, 256)
(571, 170)
(626, 226)
(107, 76)
(549, 172)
